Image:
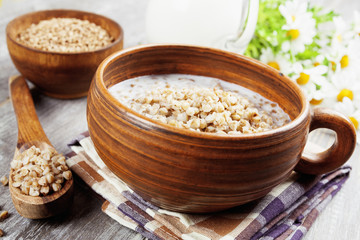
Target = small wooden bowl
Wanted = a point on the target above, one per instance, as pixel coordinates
(60, 75)
(188, 171)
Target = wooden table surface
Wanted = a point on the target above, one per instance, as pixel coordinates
(64, 119)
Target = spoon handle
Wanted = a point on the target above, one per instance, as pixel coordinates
(29, 127)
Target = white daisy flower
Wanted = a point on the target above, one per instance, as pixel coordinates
(280, 62)
(313, 83)
(348, 108)
(313, 94)
(347, 62)
(292, 9)
(357, 22)
(301, 33)
(342, 34)
(325, 32)
(345, 90)
(314, 74)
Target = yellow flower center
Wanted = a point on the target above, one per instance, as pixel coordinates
(315, 101)
(316, 64)
(345, 93)
(293, 34)
(333, 65)
(339, 37)
(274, 65)
(293, 18)
(344, 62)
(303, 79)
(355, 122)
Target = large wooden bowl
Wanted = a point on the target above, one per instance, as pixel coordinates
(187, 171)
(61, 75)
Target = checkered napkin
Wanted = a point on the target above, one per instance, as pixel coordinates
(287, 212)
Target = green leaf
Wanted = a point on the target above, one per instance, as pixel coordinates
(268, 32)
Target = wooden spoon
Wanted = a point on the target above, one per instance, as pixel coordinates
(30, 133)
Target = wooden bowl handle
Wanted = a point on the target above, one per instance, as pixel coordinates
(339, 152)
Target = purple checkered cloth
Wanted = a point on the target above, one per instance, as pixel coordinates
(287, 212)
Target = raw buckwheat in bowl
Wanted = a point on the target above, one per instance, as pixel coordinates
(59, 50)
(163, 142)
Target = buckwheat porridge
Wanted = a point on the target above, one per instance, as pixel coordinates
(200, 103)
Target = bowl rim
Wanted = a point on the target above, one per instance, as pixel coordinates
(119, 39)
(166, 128)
